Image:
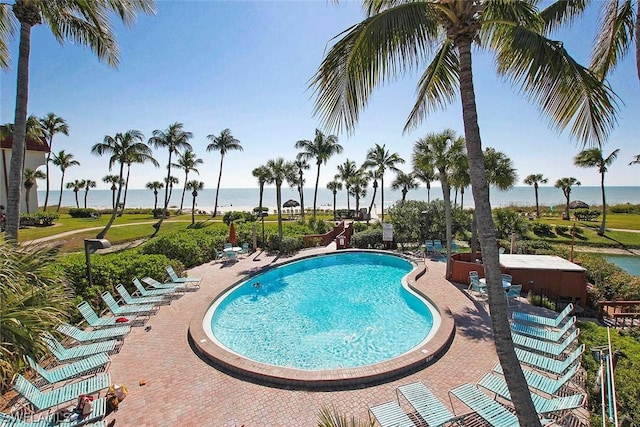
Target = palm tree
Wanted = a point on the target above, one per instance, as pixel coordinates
(381, 159)
(262, 174)
(594, 158)
(51, 125)
(119, 148)
(76, 185)
(565, 185)
(535, 179)
(155, 186)
(334, 186)
(322, 148)
(374, 174)
(63, 161)
(30, 177)
(300, 166)
(223, 143)
(187, 162)
(85, 23)
(88, 184)
(33, 132)
(460, 178)
(195, 186)
(635, 161)
(396, 37)
(404, 182)
(114, 180)
(135, 157)
(358, 184)
(170, 182)
(345, 171)
(174, 139)
(279, 171)
(333, 418)
(427, 177)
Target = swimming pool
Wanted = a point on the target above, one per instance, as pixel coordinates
(328, 312)
(629, 263)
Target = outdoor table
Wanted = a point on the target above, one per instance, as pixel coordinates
(235, 249)
(505, 284)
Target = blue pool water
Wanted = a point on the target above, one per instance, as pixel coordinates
(336, 311)
(630, 263)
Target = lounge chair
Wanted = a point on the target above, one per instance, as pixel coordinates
(478, 287)
(177, 287)
(128, 299)
(92, 318)
(507, 278)
(176, 279)
(97, 335)
(41, 401)
(98, 412)
(437, 245)
(231, 256)
(513, 292)
(64, 354)
(426, 404)
(152, 292)
(70, 370)
(428, 247)
(127, 309)
(245, 249)
(542, 382)
(543, 346)
(390, 414)
(544, 333)
(548, 364)
(553, 322)
(498, 385)
(491, 411)
(217, 255)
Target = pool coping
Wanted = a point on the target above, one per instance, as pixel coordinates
(334, 379)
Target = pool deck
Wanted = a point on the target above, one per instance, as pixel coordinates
(182, 389)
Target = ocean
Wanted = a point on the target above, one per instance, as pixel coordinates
(247, 198)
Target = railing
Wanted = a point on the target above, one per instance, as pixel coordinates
(623, 313)
(314, 240)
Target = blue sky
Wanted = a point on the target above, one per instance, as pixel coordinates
(245, 65)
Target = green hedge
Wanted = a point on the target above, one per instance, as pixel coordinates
(42, 219)
(368, 239)
(82, 213)
(190, 247)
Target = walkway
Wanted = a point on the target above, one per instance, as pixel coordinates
(183, 390)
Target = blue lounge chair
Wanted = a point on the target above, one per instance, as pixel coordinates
(491, 411)
(513, 292)
(428, 247)
(437, 245)
(175, 279)
(127, 309)
(152, 292)
(128, 299)
(544, 333)
(64, 354)
(70, 370)
(547, 347)
(427, 405)
(245, 249)
(478, 287)
(548, 364)
(391, 415)
(41, 401)
(553, 322)
(92, 318)
(542, 382)
(176, 287)
(97, 335)
(98, 412)
(507, 278)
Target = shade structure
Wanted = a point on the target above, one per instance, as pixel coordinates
(578, 204)
(232, 234)
(290, 204)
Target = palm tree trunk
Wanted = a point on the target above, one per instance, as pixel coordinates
(638, 38)
(382, 195)
(535, 189)
(279, 201)
(46, 194)
(113, 195)
(566, 208)
(155, 201)
(373, 199)
(261, 192)
(520, 396)
(315, 194)
(126, 190)
(604, 206)
(474, 236)
(335, 193)
(86, 193)
(428, 192)
(76, 195)
(215, 206)
(193, 206)
(446, 193)
(61, 189)
(26, 199)
(301, 191)
(184, 188)
(348, 206)
(115, 208)
(462, 198)
(158, 224)
(12, 221)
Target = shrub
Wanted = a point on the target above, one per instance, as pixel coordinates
(586, 214)
(42, 219)
(562, 229)
(369, 239)
(157, 213)
(82, 213)
(627, 208)
(231, 216)
(541, 229)
(190, 247)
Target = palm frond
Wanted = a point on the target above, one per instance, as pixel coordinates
(615, 34)
(570, 94)
(438, 85)
(370, 53)
(7, 30)
(562, 12)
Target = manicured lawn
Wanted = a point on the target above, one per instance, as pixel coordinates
(621, 221)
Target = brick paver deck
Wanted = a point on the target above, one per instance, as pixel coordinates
(183, 390)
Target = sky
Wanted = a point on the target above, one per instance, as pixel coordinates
(246, 66)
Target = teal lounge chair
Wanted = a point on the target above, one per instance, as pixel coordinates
(97, 335)
(41, 401)
(98, 412)
(64, 354)
(92, 318)
(553, 322)
(428, 247)
(127, 309)
(437, 245)
(70, 370)
(391, 415)
(152, 292)
(548, 364)
(177, 287)
(175, 279)
(513, 292)
(547, 347)
(544, 333)
(478, 287)
(427, 405)
(491, 411)
(542, 382)
(128, 299)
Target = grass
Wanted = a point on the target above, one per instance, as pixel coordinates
(590, 237)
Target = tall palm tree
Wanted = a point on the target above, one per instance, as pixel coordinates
(170, 182)
(51, 125)
(76, 186)
(155, 186)
(345, 172)
(195, 186)
(114, 180)
(300, 165)
(334, 186)
(223, 143)
(460, 178)
(565, 185)
(635, 161)
(280, 171)
(174, 139)
(33, 132)
(84, 23)
(88, 184)
(594, 158)
(358, 184)
(30, 177)
(188, 162)
(63, 161)
(396, 37)
(374, 174)
(119, 148)
(381, 159)
(535, 179)
(426, 176)
(404, 182)
(135, 157)
(262, 174)
(321, 149)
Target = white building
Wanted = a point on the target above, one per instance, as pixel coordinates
(36, 157)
